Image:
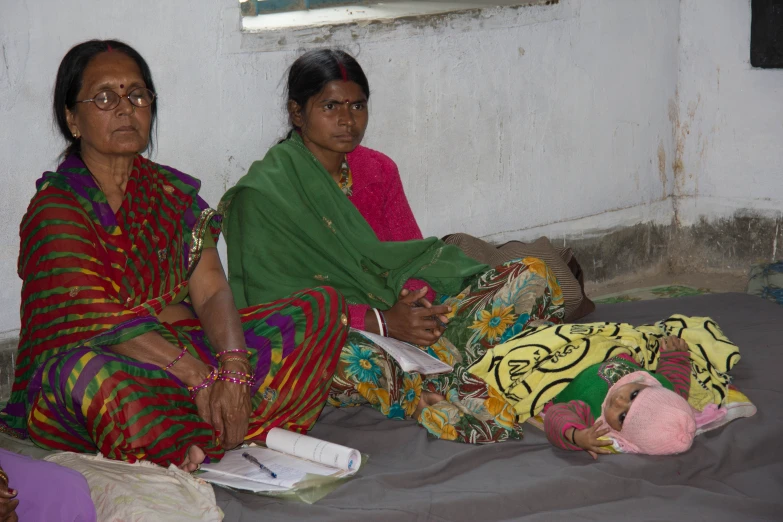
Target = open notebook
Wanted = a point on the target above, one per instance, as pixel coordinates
(291, 456)
(410, 358)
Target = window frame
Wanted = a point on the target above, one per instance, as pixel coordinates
(347, 33)
(261, 7)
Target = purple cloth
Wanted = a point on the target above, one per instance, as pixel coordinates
(47, 491)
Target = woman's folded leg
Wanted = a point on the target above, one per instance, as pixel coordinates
(295, 344)
(493, 307)
(88, 400)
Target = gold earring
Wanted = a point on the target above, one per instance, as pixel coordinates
(75, 135)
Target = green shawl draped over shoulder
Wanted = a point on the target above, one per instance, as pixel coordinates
(288, 227)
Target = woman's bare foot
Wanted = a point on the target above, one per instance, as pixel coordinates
(427, 399)
(193, 459)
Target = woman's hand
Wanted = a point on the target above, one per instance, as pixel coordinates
(588, 439)
(8, 501)
(226, 406)
(230, 406)
(415, 324)
(426, 304)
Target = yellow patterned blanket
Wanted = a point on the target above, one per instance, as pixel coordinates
(533, 367)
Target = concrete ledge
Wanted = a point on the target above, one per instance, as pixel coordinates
(625, 251)
(727, 244)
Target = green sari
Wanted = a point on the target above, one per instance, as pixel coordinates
(289, 226)
(307, 233)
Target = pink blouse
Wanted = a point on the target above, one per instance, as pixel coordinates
(378, 195)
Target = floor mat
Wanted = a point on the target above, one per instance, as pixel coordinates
(766, 281)
(650, 293)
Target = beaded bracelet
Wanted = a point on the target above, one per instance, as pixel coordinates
(236, 350)
(235, 380)
(208, 381)
(175, 361)
(235, 358)
(246, 375)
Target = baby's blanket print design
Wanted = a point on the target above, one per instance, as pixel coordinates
(532, 368)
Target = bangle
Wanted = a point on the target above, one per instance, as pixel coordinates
(236, 350)
(573, 436)
(244, 382)
(235, 358)
(207, 382)
(381, 322)
(4, 477)
(378, 318)
(175, 361)
(246, 375)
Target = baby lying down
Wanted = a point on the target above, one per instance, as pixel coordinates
(637, 411)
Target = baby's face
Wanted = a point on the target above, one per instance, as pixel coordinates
(620, 402)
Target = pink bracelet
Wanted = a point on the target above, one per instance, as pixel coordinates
(175, 361)
(235, 380)
(236, 350)
(246, 375)
(208, 381)
(234, 358)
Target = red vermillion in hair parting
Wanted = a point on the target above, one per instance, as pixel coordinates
(108, 48)
(343, 71)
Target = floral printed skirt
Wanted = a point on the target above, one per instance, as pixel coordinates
(495, 306)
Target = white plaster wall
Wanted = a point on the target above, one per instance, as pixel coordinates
(730, 135)
(506, 124)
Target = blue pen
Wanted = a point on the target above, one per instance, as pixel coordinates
(254, 460)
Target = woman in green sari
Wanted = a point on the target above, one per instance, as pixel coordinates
(321, 209)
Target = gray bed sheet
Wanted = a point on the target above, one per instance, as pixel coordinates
(735, 473)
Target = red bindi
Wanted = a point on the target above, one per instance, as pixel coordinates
(121, 86)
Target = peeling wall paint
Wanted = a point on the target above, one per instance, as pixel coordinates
(730, 131)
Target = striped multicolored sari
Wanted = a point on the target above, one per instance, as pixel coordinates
(94, 278)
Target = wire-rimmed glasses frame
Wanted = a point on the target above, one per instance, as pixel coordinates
(107, 100)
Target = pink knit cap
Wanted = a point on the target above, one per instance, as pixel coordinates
(659, 421)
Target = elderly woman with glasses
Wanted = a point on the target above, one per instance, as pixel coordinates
(130, 344)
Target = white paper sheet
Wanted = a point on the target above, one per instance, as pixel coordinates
(291, 456)
(238, 482)
(334, 455)
(410, 358)
(289, 469)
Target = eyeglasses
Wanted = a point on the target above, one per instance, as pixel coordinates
(107, 100)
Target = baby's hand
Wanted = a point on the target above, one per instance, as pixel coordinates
(589, 439)
(673, 344)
